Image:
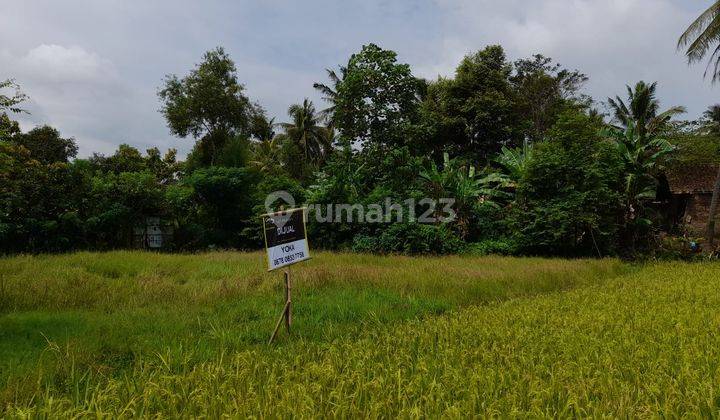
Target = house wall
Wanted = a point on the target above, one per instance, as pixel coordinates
(696, 214)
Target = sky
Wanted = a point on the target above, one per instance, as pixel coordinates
(92, 68)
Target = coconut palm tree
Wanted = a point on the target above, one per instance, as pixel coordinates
(266, 154)
(305, 130)
(712, 117)
(330, 94)
(702, 36)
(642, 110)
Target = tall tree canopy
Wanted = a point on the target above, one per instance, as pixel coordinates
(376, 101)
(208, 104)
(712, 119)
(544, 89)
(472, 114)
(330, 93)
(46, 145)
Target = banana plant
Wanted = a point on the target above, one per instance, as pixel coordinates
(462, 182)
(642, 156)
(515, 161)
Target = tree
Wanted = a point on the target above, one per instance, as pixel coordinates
(119, 202)
(472, 115)
(266, 155)
(642, 110)
(516, 161)
(305, 130)
(224, 199)
(125, 159)
(165, 168)
(543, 90)
(39, 203)
(703, 35)
(263, 127)
(10, 103)
(567, 200)
(208, 104)
(376, 101)
(46, 145)
(700, 37)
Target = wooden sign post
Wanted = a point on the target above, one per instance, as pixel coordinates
(286, 244)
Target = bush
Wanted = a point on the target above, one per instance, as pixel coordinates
(224, 198)
(492, 247)
(678, 248)
(411, 238)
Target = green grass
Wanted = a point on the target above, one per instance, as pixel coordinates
(138, 334)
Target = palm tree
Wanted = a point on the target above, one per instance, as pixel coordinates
(642, 110)
(703, 35)
(712, 117)
(305, 130)
(266, 154)
(330, 93)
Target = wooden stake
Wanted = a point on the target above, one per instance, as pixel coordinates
(277, 326)
(287, 310)
(288, 301)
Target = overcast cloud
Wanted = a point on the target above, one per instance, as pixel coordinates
(92, 67)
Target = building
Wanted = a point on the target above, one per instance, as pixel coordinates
(686, 193)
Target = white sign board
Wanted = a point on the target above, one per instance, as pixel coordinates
(285, 238)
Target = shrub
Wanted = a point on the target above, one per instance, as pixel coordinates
(411, 238)
(492, 247)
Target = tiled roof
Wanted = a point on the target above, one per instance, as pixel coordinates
(692, 179)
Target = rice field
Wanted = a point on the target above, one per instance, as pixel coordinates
(128, 334)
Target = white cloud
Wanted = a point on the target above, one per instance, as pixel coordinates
(82, 94)
(57, 64)
(614, 41)
(94, 74)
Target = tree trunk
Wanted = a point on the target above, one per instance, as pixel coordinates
(713, 211)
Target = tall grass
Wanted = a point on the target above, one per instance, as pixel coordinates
(130, 333)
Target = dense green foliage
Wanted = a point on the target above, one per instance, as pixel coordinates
(568, 196)
(531, 166)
